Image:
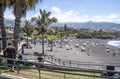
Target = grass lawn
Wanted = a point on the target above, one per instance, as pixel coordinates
(49, 74)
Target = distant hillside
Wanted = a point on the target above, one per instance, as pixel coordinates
(91, 25)
(9, 22)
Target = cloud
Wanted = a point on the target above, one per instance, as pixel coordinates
(70, 16)
(56, 9)
(32, 16)
(8, 15)
(75, 16)
(106, 18)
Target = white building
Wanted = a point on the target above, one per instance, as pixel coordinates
(9, 33)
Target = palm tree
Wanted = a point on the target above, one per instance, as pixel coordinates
(3, 4)
(19, 9)
(34, 35)
(51, 37)
(27, 29)
(43, 21)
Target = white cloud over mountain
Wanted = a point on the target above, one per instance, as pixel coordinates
(72, 16)
(75, 16)
(107, 18)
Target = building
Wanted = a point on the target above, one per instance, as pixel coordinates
(9, 27)
(9, 34)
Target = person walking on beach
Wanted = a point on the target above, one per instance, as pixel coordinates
(10, 52)
(89, 51)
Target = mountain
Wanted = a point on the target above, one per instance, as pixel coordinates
(91, 25)
(9, 22)
(88, 25)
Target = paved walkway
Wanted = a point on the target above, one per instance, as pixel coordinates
(6, 76)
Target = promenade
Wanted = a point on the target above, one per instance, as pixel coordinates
(7, 76)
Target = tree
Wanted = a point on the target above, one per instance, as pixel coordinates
(27, 29)
(3, 4)
(51, 37)
(19, 9)
(65, 27)
(43, 21)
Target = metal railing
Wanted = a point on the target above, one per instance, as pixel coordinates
(70, 63)
(35, 70)
(78, 64)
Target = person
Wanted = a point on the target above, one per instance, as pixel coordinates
(108, 50)
(34, 42)
(10, 52)
(82, 49)
(114, 54)
(89, 51)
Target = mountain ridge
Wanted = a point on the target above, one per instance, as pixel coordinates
(90, 25)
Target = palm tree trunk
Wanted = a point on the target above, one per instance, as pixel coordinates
(51, 46)
(27, 40)
(16, 31)
(43, 44)
(3, 32)
(61, 44)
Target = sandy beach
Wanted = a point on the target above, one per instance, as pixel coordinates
(98, 52)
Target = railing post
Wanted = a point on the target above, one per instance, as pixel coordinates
(64, 75)
(59, 61)
(55, 60)
(0, 71)
(93, 75)
(63, 63)
(39, 72)
(48, 57)
(70, 63)
(16, 64)
(118, 75)
(18, 71)
(88, 66)
(78, 65)
(51, 58)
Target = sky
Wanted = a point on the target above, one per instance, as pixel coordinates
(76, 10)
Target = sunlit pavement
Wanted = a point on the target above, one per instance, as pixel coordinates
(7, 76)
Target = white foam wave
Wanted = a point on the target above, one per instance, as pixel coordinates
(114, 43)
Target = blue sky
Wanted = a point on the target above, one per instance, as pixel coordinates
(77, 10)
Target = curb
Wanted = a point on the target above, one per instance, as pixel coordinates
(7, 76)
